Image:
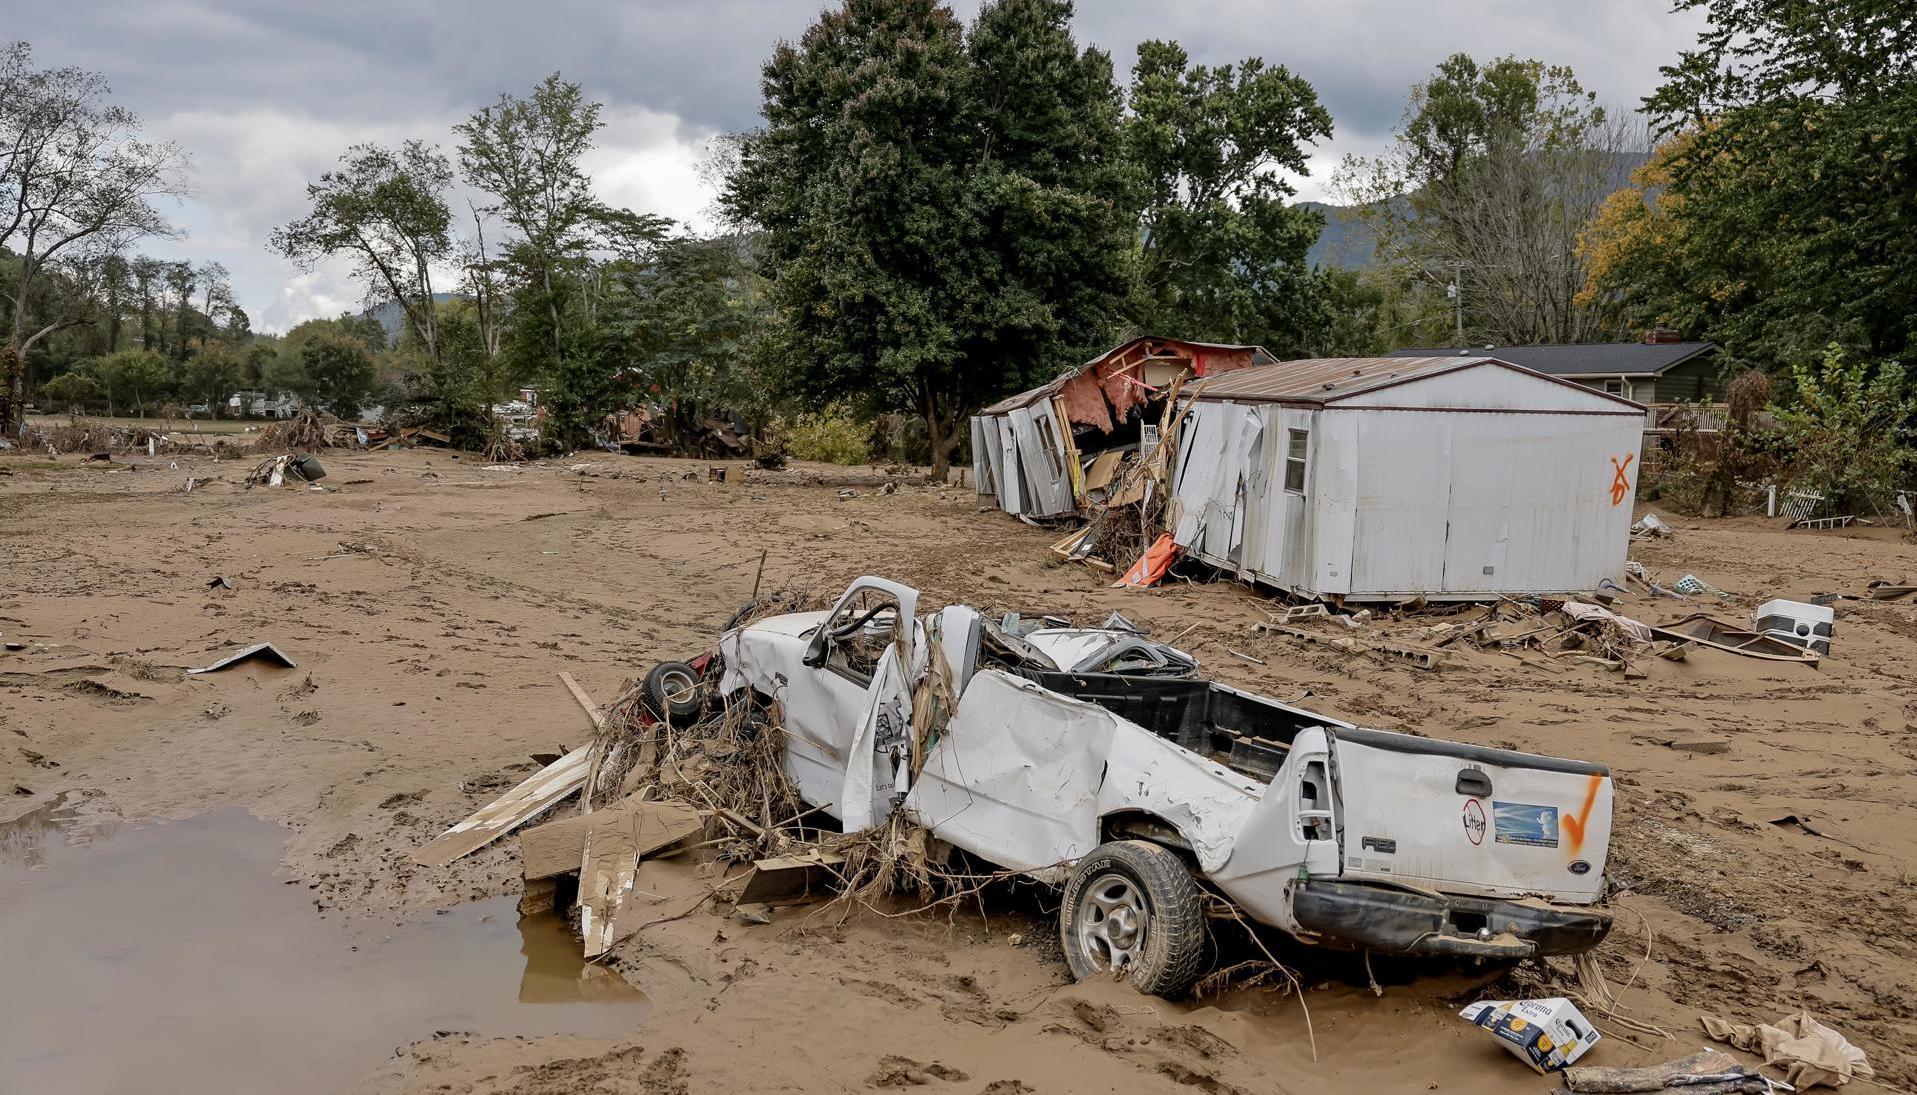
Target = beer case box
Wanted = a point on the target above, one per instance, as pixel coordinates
(1546, 1034)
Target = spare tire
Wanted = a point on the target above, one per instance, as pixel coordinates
(674, 692)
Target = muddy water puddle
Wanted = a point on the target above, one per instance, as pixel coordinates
(170, 958)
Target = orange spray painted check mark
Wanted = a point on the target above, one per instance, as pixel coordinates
(1574, 826)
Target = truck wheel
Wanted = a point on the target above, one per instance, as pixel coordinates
(1132, 907)
(672, 691)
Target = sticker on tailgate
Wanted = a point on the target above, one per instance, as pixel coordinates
(1523, 823)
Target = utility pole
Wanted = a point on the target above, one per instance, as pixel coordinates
(1457, 297)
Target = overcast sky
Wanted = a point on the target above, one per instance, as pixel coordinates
(264, 95)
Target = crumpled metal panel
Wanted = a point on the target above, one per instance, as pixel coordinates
(1021, 777)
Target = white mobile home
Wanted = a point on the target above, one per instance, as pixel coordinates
(1389, 478)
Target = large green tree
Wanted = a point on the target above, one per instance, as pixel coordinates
(1791, 183)
(693, 317)
(1221, 248)
(339, 373)
(133, 379)
(942, 218)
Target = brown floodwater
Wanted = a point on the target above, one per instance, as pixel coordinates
(170, 958)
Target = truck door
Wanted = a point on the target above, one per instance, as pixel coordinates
(861, 660)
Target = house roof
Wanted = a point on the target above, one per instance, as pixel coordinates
(1322, 380)
(1259, 356)
(1589, 359)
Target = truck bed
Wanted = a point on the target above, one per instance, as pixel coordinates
(1246, 733)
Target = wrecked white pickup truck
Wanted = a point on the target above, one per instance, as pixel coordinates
(1099, 761)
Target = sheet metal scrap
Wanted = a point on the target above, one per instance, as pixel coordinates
(262, 651)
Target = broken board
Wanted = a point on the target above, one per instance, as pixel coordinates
(509, 811)
(559, 847)
(616, 839)
(785, 880)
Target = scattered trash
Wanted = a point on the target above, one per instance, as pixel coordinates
(1634, 571)
(1825, 523)
(1792, 821)
(1650, 527)
(1546, 1034)
(1704, 630)
(1797, 623)
(1694, 586)
(306, 467)
(220, 582)
(848, 494)
(1881, 590)
(1809, 1052)
(1708, 1070)
(262, 651)
(1152, 565)
(1584, 613)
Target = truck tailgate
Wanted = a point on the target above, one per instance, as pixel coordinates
(1467, 819)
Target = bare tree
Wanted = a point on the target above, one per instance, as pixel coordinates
(77, 184)
(1476, 210)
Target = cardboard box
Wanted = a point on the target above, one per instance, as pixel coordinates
(1546, 1034)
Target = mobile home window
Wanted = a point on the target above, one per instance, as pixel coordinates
(1296, 445)
(1048, 440)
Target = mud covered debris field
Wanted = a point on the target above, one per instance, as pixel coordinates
(430, 603)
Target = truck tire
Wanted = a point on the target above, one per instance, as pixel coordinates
(1132, 905)
(674, 692)
(739, 616)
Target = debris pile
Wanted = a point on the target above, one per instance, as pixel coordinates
(86, 435)
(304, 431)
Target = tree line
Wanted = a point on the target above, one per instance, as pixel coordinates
(934, 213)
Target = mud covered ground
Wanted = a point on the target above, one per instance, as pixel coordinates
(431, 603)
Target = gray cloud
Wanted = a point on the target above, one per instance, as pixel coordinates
(266, 94)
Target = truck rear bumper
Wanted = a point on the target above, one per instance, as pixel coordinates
(1391, 921)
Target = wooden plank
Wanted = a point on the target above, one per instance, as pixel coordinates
(599, 726)
(585, 701)
(509, 811)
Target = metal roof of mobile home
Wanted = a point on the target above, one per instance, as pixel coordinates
(1323, 380)
(1583, 359)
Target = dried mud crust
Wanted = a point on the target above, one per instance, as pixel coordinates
(430, 658)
